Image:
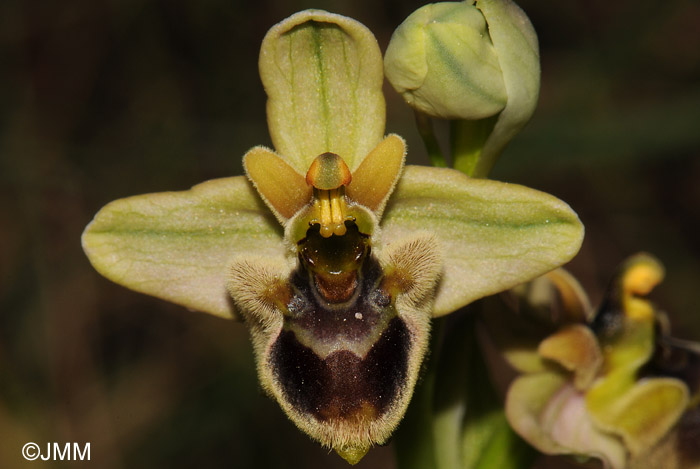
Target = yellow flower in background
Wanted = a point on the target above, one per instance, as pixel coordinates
(601, 384)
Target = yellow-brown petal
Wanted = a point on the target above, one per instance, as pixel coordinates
(576, 349)
(283, 189)
(375, 178)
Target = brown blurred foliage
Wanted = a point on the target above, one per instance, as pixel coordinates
(105, 99)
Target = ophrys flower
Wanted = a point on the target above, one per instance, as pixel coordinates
(611, 383)
(333, 252)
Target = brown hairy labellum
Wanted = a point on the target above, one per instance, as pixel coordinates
(340, 339)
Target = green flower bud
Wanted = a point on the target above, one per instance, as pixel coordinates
(443, 63)
(475, 62)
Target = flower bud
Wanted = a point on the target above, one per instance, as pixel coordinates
(443, 63)
(474, 62)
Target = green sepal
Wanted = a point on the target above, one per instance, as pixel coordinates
(493, 235)
(323, 77)
(641, 414)
(178, 246)
(550, 413)
(640, 411)
(456, 418)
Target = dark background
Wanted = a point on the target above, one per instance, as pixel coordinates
(105, 99)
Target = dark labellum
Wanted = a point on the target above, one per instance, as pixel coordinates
(340, 339)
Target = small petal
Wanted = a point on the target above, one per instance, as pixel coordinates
(283, 189)
(576, 349)
(642, 273)
(375, 178)
(493, 235)
(573, 303)
(178, 245)
(639, 275)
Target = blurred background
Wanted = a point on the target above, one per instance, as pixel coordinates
(105, 99)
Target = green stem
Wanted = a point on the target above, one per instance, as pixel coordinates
(467, 141)
(415, 447)
(425, 129)
(452, 388)
(488, 441)
(456, 418)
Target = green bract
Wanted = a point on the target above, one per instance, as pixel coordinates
(335, 254)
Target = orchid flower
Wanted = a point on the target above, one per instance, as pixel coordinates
(334, 253)
(610, 383)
